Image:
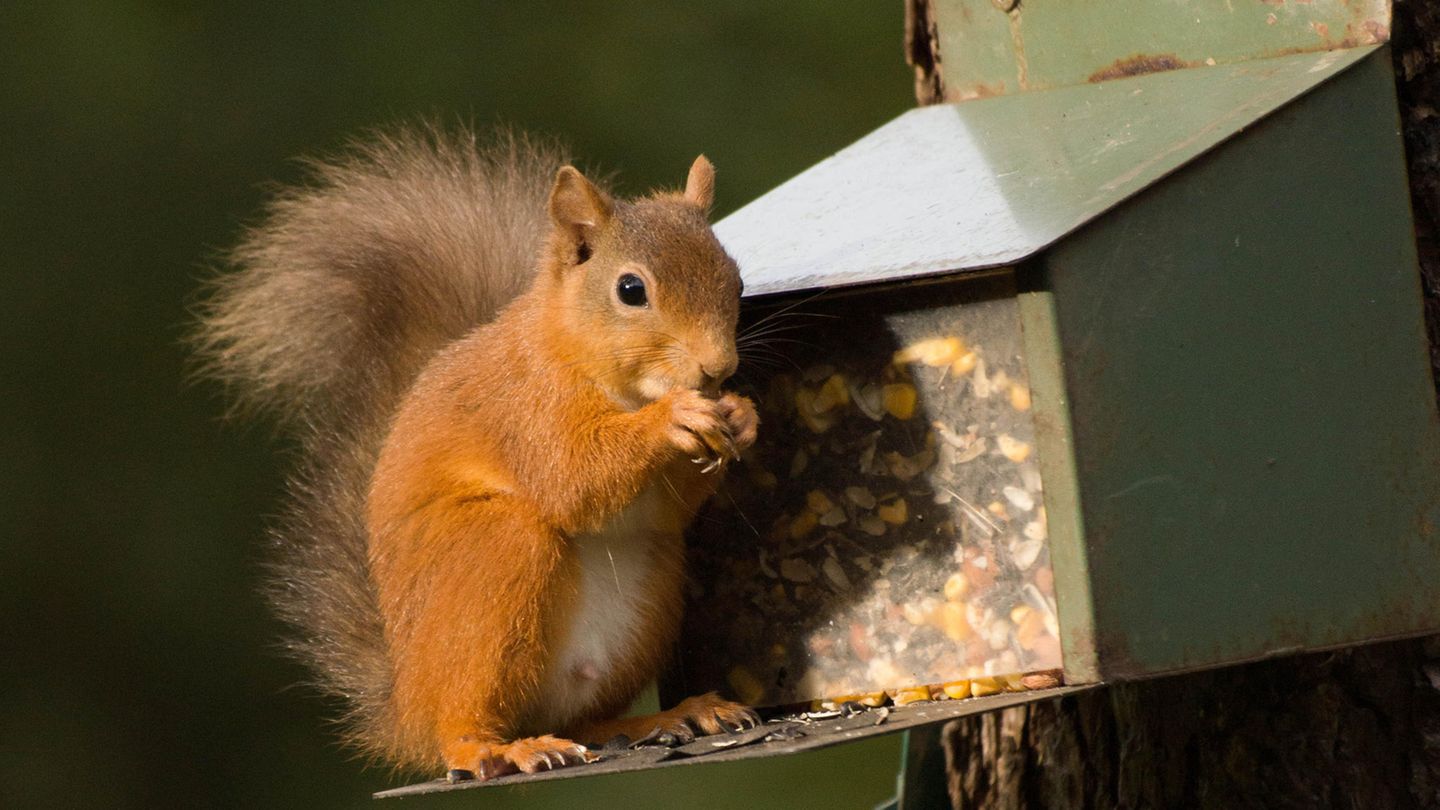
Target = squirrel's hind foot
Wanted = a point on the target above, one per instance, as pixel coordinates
(466, 759)
(712, 714)
(703, 714)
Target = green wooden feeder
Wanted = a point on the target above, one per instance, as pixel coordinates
(1196, 292)
(1111, 367)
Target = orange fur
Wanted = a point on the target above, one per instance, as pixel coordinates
(530, 438)
(483, 540)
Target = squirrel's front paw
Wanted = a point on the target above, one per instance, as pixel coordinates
(699, 428)
(741, 418)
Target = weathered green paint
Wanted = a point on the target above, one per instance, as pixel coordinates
(1042, 44)
(1254, 426)
(1055, 452)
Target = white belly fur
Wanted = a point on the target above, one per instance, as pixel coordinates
(616, 563)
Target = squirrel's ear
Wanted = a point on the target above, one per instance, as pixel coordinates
(576, 204)
(700, 185)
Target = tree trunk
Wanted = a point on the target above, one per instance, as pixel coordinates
(1357, 728)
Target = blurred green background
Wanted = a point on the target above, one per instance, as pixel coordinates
(137, 664)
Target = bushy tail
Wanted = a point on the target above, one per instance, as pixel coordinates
(331, 307)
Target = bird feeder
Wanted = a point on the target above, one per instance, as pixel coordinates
(1111, 365)
(1119, 378)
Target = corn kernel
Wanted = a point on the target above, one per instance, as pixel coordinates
(803, 524)
(952, 621)
(959, 690)
(980, 687)
(832, 394)
(1012, 448)
(1029, 629)
(1019, 397)
(894, 513)
(872, 699)
(956, 586)
(817, 419)
(914, 694)
(819, 502)
(900, 400)
(964, 364)
(931, 352)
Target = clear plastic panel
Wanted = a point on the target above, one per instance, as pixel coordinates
(888, 529)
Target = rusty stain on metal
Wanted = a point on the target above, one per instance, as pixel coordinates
(922, 51)
(1017, 40)
(1138, 64)
(1351, 24)
(980, 91)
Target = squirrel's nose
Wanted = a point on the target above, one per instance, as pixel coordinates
(719, 369)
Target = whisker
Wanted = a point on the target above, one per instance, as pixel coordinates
(788, 308)
(773, 329)
(739, 511)
(768, 342)
(807, 299)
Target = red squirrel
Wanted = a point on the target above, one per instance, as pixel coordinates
(506, 385)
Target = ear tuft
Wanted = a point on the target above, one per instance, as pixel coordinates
(576, 204)
(700, 185)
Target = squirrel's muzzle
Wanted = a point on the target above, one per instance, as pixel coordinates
(718, 367)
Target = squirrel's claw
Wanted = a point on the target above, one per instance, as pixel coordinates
(667, 736)
(459, 775)
(727, 727)
(746, 720)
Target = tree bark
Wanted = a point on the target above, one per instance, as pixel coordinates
(1358, 728)
(1416, 49)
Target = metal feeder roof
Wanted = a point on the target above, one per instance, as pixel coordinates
(993, 181)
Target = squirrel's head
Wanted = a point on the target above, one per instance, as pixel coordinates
(650, 298)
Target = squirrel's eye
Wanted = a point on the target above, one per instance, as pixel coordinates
(631, 290)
